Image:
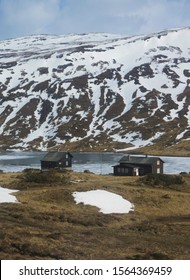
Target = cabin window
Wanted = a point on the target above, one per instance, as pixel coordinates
(158, 162)
(126, 170)
(118, 170)
(123, 170)
(158, 170)
(67, 163)
(67, 156)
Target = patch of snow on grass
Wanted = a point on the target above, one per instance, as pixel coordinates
(6, 196)
(107, 202)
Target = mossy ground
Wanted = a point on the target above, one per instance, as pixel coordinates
(48, 224)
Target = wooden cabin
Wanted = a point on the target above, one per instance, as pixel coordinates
(138, 166)
(58, 160)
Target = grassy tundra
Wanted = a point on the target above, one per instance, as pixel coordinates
(48, 224)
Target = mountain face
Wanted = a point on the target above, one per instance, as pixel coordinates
(95, 91)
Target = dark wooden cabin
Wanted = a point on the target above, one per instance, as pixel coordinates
(138, 166)
(56, 160)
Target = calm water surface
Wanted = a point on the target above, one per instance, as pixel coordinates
(99, 163)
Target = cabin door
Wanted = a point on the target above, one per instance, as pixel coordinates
(136, 171)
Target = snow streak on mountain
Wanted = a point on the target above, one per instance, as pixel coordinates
(95, 90)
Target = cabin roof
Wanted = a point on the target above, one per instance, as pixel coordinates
(55, 156)
(139, 160)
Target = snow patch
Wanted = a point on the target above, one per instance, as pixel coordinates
(6, 195)
(107, 202)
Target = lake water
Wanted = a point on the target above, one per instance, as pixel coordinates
(99, 163)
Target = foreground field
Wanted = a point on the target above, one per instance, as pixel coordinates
(48, 224)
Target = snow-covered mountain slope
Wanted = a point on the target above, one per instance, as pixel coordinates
(95, 90)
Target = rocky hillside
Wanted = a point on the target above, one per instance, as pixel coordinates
(95, 91)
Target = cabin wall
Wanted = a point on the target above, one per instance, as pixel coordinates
(67, 162)
(48, 164)
(143, 169)
(121, 170)
(158, 167)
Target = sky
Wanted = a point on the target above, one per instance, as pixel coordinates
(20, 18)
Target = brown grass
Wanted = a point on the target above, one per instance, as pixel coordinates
(47, 224)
